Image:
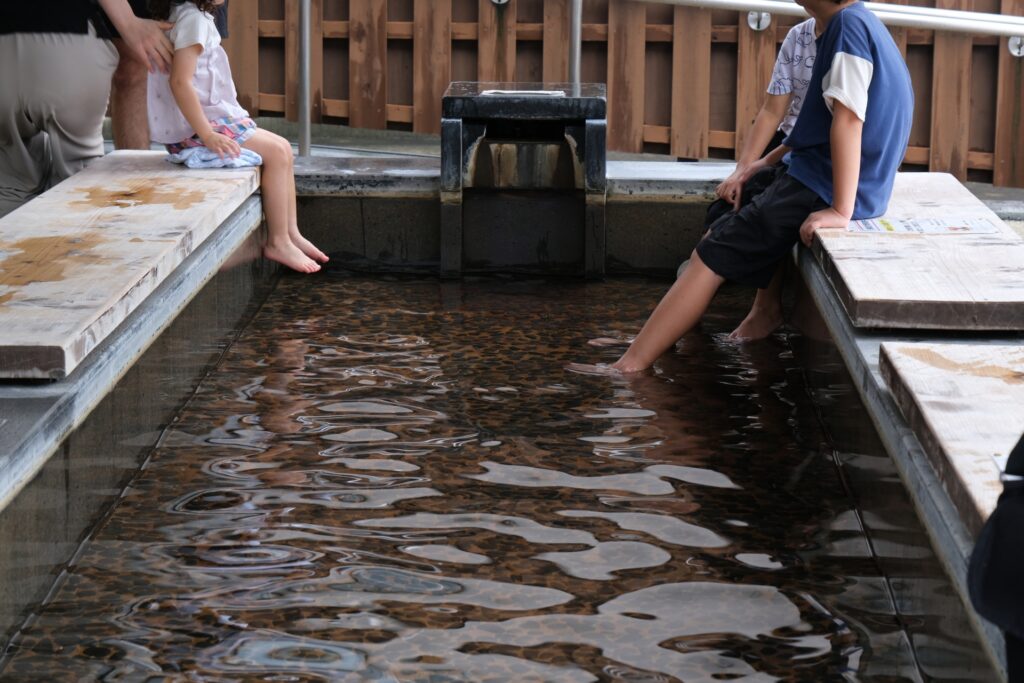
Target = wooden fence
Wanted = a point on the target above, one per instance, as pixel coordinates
(681, 81)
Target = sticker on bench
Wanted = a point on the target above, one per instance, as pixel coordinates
(925, 226)
(524, 93)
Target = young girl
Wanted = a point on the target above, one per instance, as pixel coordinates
(197, 106)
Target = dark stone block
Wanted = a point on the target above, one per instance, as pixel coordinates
(402, 232)
(536, 232)
(652, 237)
(465, 100)
(335, 224)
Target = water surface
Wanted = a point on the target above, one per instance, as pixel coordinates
(398, 480)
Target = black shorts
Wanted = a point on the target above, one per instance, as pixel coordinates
(746, 246)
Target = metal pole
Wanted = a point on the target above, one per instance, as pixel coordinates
(304, 89)
(575, 41)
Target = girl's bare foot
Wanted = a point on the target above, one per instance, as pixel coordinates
(610, 341)
(307, 247)
(289, 255)
(758, 324)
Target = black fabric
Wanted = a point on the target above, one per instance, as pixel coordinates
(755, 185)
(47, 16)
(220, 17)
(745, 246)
(141, 9)
(1014, 659)
(995, 575)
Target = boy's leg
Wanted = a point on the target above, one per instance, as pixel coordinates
(765, 315)
(678, 311)
(276, 178)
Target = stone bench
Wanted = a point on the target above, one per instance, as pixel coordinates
(91, 273)
(78, 260)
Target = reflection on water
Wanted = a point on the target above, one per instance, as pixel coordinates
(399, 481)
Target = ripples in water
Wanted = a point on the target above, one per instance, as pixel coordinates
(344, 502)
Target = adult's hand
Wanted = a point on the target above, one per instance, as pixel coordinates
(144, 37)
(826, 218)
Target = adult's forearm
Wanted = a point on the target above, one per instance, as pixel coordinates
(119, 12)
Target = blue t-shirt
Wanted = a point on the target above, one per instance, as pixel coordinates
(859, 65)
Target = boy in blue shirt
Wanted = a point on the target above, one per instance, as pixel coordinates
(842, 157)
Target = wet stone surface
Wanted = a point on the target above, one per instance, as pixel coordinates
(399, 481)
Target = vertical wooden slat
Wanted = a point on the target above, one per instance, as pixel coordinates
(367, 47)
(627, 42)
(496, 47)
(691, 82)
(755, 58)
(899, 33)
(1008, 169)
(431, 62)
(291, 59)
(243, 48)
(556, 40)
(951, 98)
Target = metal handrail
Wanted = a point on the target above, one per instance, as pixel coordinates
(894, 15)
(958, 21)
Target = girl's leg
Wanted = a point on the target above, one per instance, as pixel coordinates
(277, 176)
(677, 312)
(307, 247)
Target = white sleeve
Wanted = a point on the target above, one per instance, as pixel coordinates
(847, 80)
(782, 75)
(191, 28)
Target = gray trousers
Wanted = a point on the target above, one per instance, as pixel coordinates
(53, 96)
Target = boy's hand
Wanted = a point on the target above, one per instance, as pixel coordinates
(222, 145)
(826, 218)
(731, 189)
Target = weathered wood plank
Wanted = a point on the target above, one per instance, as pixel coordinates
(431, 62)
(967, 281)
(965, 404)
(1009, 144)
(691, 82)
(76, 261)
(556, 40)
(243, 48)
(755, 58)
(496, 49)
(368, 50)
(951, 100)
(626, 65)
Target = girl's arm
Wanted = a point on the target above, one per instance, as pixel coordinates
(144, 37)
(183, 68)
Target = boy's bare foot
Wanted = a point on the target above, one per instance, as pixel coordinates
(603, 342)
(758, 324)
(307, 247)
(290, 255)
(593, 369)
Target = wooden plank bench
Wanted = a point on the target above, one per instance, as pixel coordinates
(969, 281)
(77, 260)
(965, 404)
